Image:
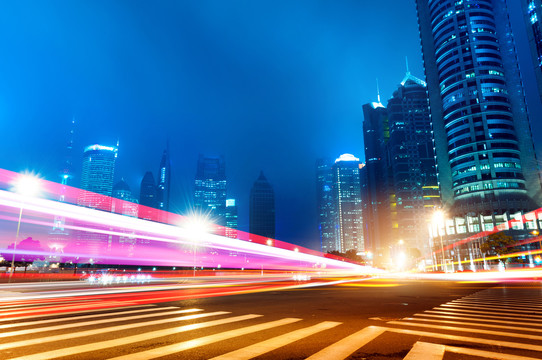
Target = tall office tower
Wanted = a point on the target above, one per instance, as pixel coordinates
(262, 208)
(347, 188)
(377, 216)
(162, 193)
(231, 219)
(147, 197)
(128, 207)
(486, 163)
(326, 206)
(414, 187)
(97, 176)
(210, 189)
(532, 12)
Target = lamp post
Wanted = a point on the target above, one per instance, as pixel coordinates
(27, 185)
(438, 218)
(197, 225)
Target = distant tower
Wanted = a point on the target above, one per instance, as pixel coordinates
(65, 176)
(231, 219)
(164, 175)
(147, 197)
(210, 188)
(413, 177)
(262, 208)
(347, 189)
(97, 176)
(376, 214)
(129, 207)
(326, 205)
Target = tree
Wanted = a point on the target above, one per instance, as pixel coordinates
(498, 244)
(26, 252)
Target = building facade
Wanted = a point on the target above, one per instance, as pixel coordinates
(231, 218)
(210, 189)
(347, 189)
(532, 12)
(262, 208)
(485, 155)
(326, 206)
(164, 180)
(97, 176)
(414, 187)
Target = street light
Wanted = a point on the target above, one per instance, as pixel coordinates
(197, 225)
(27, 185)
(438, 218)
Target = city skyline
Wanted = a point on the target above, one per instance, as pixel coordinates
(304, 80)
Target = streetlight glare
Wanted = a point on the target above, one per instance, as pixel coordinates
(438, 216)
(27, 184)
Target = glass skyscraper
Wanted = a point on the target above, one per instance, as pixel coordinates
(326, 205)
(210, 188)
(164, 176)
(97, 176)
(486, 163)
(262, 208)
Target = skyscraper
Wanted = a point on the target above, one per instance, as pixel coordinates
(326, 206)
(147, 197)
(128, 207)
(376, 214)
(486, 163)
(163, 190)
(97, 176)
(231, 218)
(413, 177)
(532, 12)
(262, 208)
(346, 182)
(210, 188)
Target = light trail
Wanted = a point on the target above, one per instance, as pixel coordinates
(101, 237)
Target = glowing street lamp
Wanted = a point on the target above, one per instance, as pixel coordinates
(197, 225)
(27, 185)
(438, 219)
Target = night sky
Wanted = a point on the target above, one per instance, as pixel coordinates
(271, 85)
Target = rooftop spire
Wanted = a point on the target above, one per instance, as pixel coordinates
(377, 91)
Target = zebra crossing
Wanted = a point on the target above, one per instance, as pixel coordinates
(496, 323)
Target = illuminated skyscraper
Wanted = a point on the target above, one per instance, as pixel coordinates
(128, 207)
(413, 178)
(231, 219)
(210, 188)
(346, 182)
(262, 208)
(326, 205)
(376, 207)
(163, 190)
(486, 164)
(532, 11)
(97, 176)
(147, 197)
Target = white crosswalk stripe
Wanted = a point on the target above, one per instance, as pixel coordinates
(493, 330)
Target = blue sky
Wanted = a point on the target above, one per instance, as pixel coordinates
(271, 85)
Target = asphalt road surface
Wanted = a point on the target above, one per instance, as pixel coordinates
(355, 319)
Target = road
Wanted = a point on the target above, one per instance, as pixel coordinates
(383, 318)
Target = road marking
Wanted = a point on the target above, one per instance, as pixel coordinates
(429, 351)
(130, 339)
(478, 331)
(503, 302)
(468, 339)
(61, 309)
(82, 317)
(206, 340)
(263, 347)
(75, 312)
(481, 318)
(345, 347)
(425, 351)
(105, 330)
(485, 312)
(94, 322)
(491, 307)
(475, 324)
